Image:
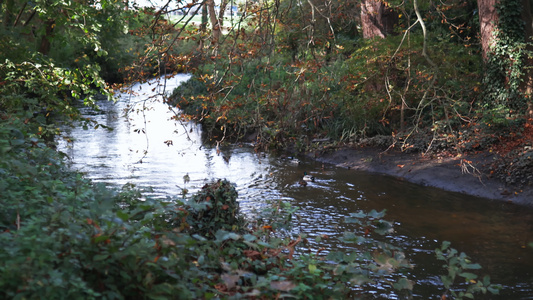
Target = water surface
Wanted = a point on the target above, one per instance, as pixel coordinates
(149, 147)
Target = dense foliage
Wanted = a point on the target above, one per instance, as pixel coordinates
(330, 82)
(284, 74)
(503, 85)
(63, 237)
(289, 74)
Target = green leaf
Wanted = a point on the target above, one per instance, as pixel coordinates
(446, 281)
(472, 266)
(360, 279)
(445, 245)
(17, 142)
(17, 134)
(199, 237)
(100, 257)
(313, 269)
(122, 215)
(359, 214)
(376, 215)
(494, 289)
(486, 280)
(468, 276)
(264, 244)
(249, 237)
(223, 235)
(349, 236)
(100, 238)
(351, 220)
(403, 284)
(336, 256)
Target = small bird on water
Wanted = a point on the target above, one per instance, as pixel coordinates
(308, 177)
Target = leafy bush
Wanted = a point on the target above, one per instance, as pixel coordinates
(460, 265)
(214, 208)
(38, 87)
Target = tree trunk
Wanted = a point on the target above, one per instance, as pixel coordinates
(44, 47)
(488, 19)
(215, 24)
(8, 13)
(527, 87)
(223, 5)
(205, 18)
(490, 23)
(377, 20)
(19, 15)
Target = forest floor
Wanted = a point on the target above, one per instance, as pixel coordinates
(501, 172)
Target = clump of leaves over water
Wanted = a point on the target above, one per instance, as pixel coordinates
(214, 208)
(64, 237)
(459, 265)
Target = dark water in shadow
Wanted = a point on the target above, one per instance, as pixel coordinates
(148, 148)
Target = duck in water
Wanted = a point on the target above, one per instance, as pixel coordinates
(308, 177)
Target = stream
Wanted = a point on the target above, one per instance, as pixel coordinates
(149, 148)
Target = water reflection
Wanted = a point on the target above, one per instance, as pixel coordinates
(149, 148)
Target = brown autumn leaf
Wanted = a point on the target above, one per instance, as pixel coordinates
(221, 288)
(252, 254)
(167, 242)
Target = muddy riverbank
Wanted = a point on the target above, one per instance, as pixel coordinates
(469, 173)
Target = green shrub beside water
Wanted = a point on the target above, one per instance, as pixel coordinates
(378, 90)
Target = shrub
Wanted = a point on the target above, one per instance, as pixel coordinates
(214, 208)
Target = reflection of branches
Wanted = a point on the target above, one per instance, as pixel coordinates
(155, 95)
(145, 152)
(131, 107)
(180, 121)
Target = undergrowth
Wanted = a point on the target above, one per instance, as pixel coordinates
(379, 89)
(64, 237)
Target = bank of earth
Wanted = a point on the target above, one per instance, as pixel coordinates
(470, 173)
